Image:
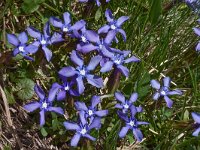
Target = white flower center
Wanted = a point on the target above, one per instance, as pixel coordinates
(163, 92)
(118, 61)
(82, 72)
(83, 131)
(90, 112)
(100, 46)
(21, 48)
(83, 39)
(126, 106)
(44, 105)
(65, 29)
(131, 123)
(66, 88)
(43, 42)
(113, 27)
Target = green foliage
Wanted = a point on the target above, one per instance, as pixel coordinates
(155, 10)
(25, 88)
(30, 6)
(43, 132)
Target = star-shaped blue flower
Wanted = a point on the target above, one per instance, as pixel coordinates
(44, 104)
(83, 71)
(82, 129)
(164, 91)
(45, 39)
(113, 24)
(21, 46)
(131, 124)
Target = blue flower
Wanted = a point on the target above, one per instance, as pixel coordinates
(66, 26)
(91, 111)
(131, 124)
(126, 104)
(194, 5)
(62, 90)
(45, 104)
(196, 118)
(197, 31)
(118, 59)
(21, 46)
(82, 129)
(97, 1)
(101, 45)
(164, 91)
(113, 24)
(44, 39)
(82, 71)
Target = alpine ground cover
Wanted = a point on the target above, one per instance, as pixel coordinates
(119, 74)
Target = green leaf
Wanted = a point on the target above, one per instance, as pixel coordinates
(9, 95)
(31, 6)
(98, 14)
(43, 132)
(25, 88)
(155, 10)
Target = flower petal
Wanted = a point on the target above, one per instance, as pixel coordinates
(71, 126)
(96, 123)
(156, 96)
(107, 66)
(95, 101)
(94, 62)
(56, 22)
(75, 139)
(82, 118)
(56, 37)
(42, 117)
(124, 70)
(80, 106)
(123, 116)
(80, 85)
(121, 20)
(133, 110)
(197, 31)
(88, 48)
(123, 131)
(90, 137)
(110, 36)
(31, 49)
(196, 132)
(104, 29)
(39, 92)
(58, 110)
(46, 30)
(23, 38)
(168, 101)
(47, 52)
(95, 81)
(155, 84)
(76, 58)
(118, 106)
(108, 15)
(67, 72)
(15, 52)
(138, 134)
(53, 91)
(133, 98)
(166, 81)
(132, 59)
(142, 122)
(61, 95)
(32, 106)
(78, 25)
(12, 39)
(196, 117)
(175, 92)
(101, 113)
(34, 32)
(198, 47)
(92, 36)
(123, 33)
(119, 96)
(67, 18)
